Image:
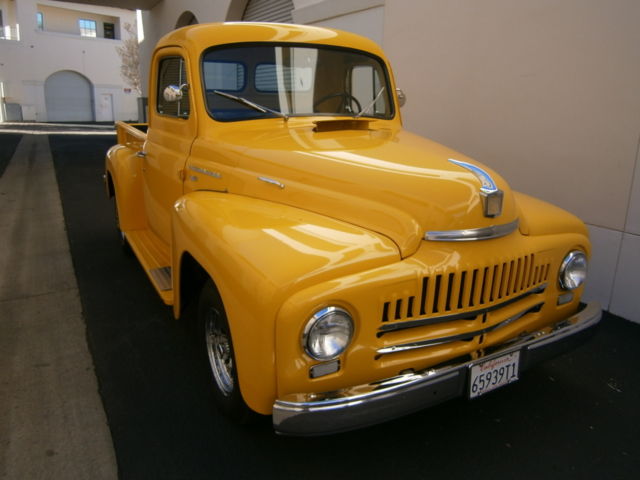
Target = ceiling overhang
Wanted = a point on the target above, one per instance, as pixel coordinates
(128, 4)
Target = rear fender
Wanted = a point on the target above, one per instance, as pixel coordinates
(258, 254)
(124, 174)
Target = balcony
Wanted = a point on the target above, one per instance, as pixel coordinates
(8, 32)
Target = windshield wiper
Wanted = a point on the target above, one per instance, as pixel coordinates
(373, 102)
(250, 104)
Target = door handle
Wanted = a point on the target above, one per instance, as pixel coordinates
(141, 154)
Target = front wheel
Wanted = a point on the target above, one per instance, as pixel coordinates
(218, 348)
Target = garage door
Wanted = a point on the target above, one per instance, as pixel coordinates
(268, 11)
(68, 97)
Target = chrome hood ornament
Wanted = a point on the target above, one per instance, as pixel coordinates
(489, 192)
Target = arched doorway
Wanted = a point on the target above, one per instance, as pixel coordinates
(68, 97)
(187, 18)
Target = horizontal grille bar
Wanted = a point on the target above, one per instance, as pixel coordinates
(421, 322)
(460, 337)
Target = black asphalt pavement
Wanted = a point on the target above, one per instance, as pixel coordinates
(577, 416)
(8, 144)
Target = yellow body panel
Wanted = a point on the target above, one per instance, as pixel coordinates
(340, 220)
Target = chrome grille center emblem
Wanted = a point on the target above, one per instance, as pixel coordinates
(489, 192)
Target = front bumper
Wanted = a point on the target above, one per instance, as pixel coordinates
(363, 405)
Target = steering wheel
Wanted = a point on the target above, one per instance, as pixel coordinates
(345, 104)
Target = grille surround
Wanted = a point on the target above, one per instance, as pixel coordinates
(468, 295)
(448, 292)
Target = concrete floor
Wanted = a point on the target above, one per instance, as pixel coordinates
(52, 422)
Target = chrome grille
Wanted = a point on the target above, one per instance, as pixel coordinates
(448, 293)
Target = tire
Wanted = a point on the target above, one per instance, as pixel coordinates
(217, 345)
(124, 244)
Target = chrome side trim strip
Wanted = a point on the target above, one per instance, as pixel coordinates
(421, 322)
(471, 234)
(453, 338)
(271, 181)
(204, 171)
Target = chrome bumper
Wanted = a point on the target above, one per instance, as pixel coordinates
(364, 405)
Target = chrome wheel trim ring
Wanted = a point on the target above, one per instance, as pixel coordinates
(218, 343)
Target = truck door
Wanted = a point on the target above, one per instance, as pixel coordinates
(172, 129)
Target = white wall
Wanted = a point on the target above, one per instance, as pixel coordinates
(26, 64)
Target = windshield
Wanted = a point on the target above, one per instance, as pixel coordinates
(248, 81)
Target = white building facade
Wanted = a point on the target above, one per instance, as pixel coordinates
(58, 62)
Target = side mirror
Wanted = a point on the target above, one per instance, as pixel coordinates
(174, 93)
(402, 98)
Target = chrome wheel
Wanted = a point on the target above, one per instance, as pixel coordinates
(218, 343)
(217, 352)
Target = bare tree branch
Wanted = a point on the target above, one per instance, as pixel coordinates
(130, 57)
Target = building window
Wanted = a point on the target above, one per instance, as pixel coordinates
(109, 30)
(87, 28)
(40, 20)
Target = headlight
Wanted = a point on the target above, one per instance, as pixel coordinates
(328, 333)
(573, 270)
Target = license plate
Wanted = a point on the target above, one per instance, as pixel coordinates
(494, 373)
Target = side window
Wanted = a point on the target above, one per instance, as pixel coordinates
(172, 71)
(224, 75)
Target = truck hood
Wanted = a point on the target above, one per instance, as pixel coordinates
(385, 180)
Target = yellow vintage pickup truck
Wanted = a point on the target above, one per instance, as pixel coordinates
(343, 271)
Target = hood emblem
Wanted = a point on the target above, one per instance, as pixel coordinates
(489, 192)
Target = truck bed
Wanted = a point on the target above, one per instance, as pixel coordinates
(133, 135)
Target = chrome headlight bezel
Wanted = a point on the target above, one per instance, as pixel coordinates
(328, 333)
(575, 263)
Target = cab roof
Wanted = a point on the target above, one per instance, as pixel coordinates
(196, 38)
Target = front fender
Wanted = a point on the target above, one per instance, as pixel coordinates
(258, 254)
(538, 217)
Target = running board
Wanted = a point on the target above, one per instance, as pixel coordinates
(155, 257)
(161, 277)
